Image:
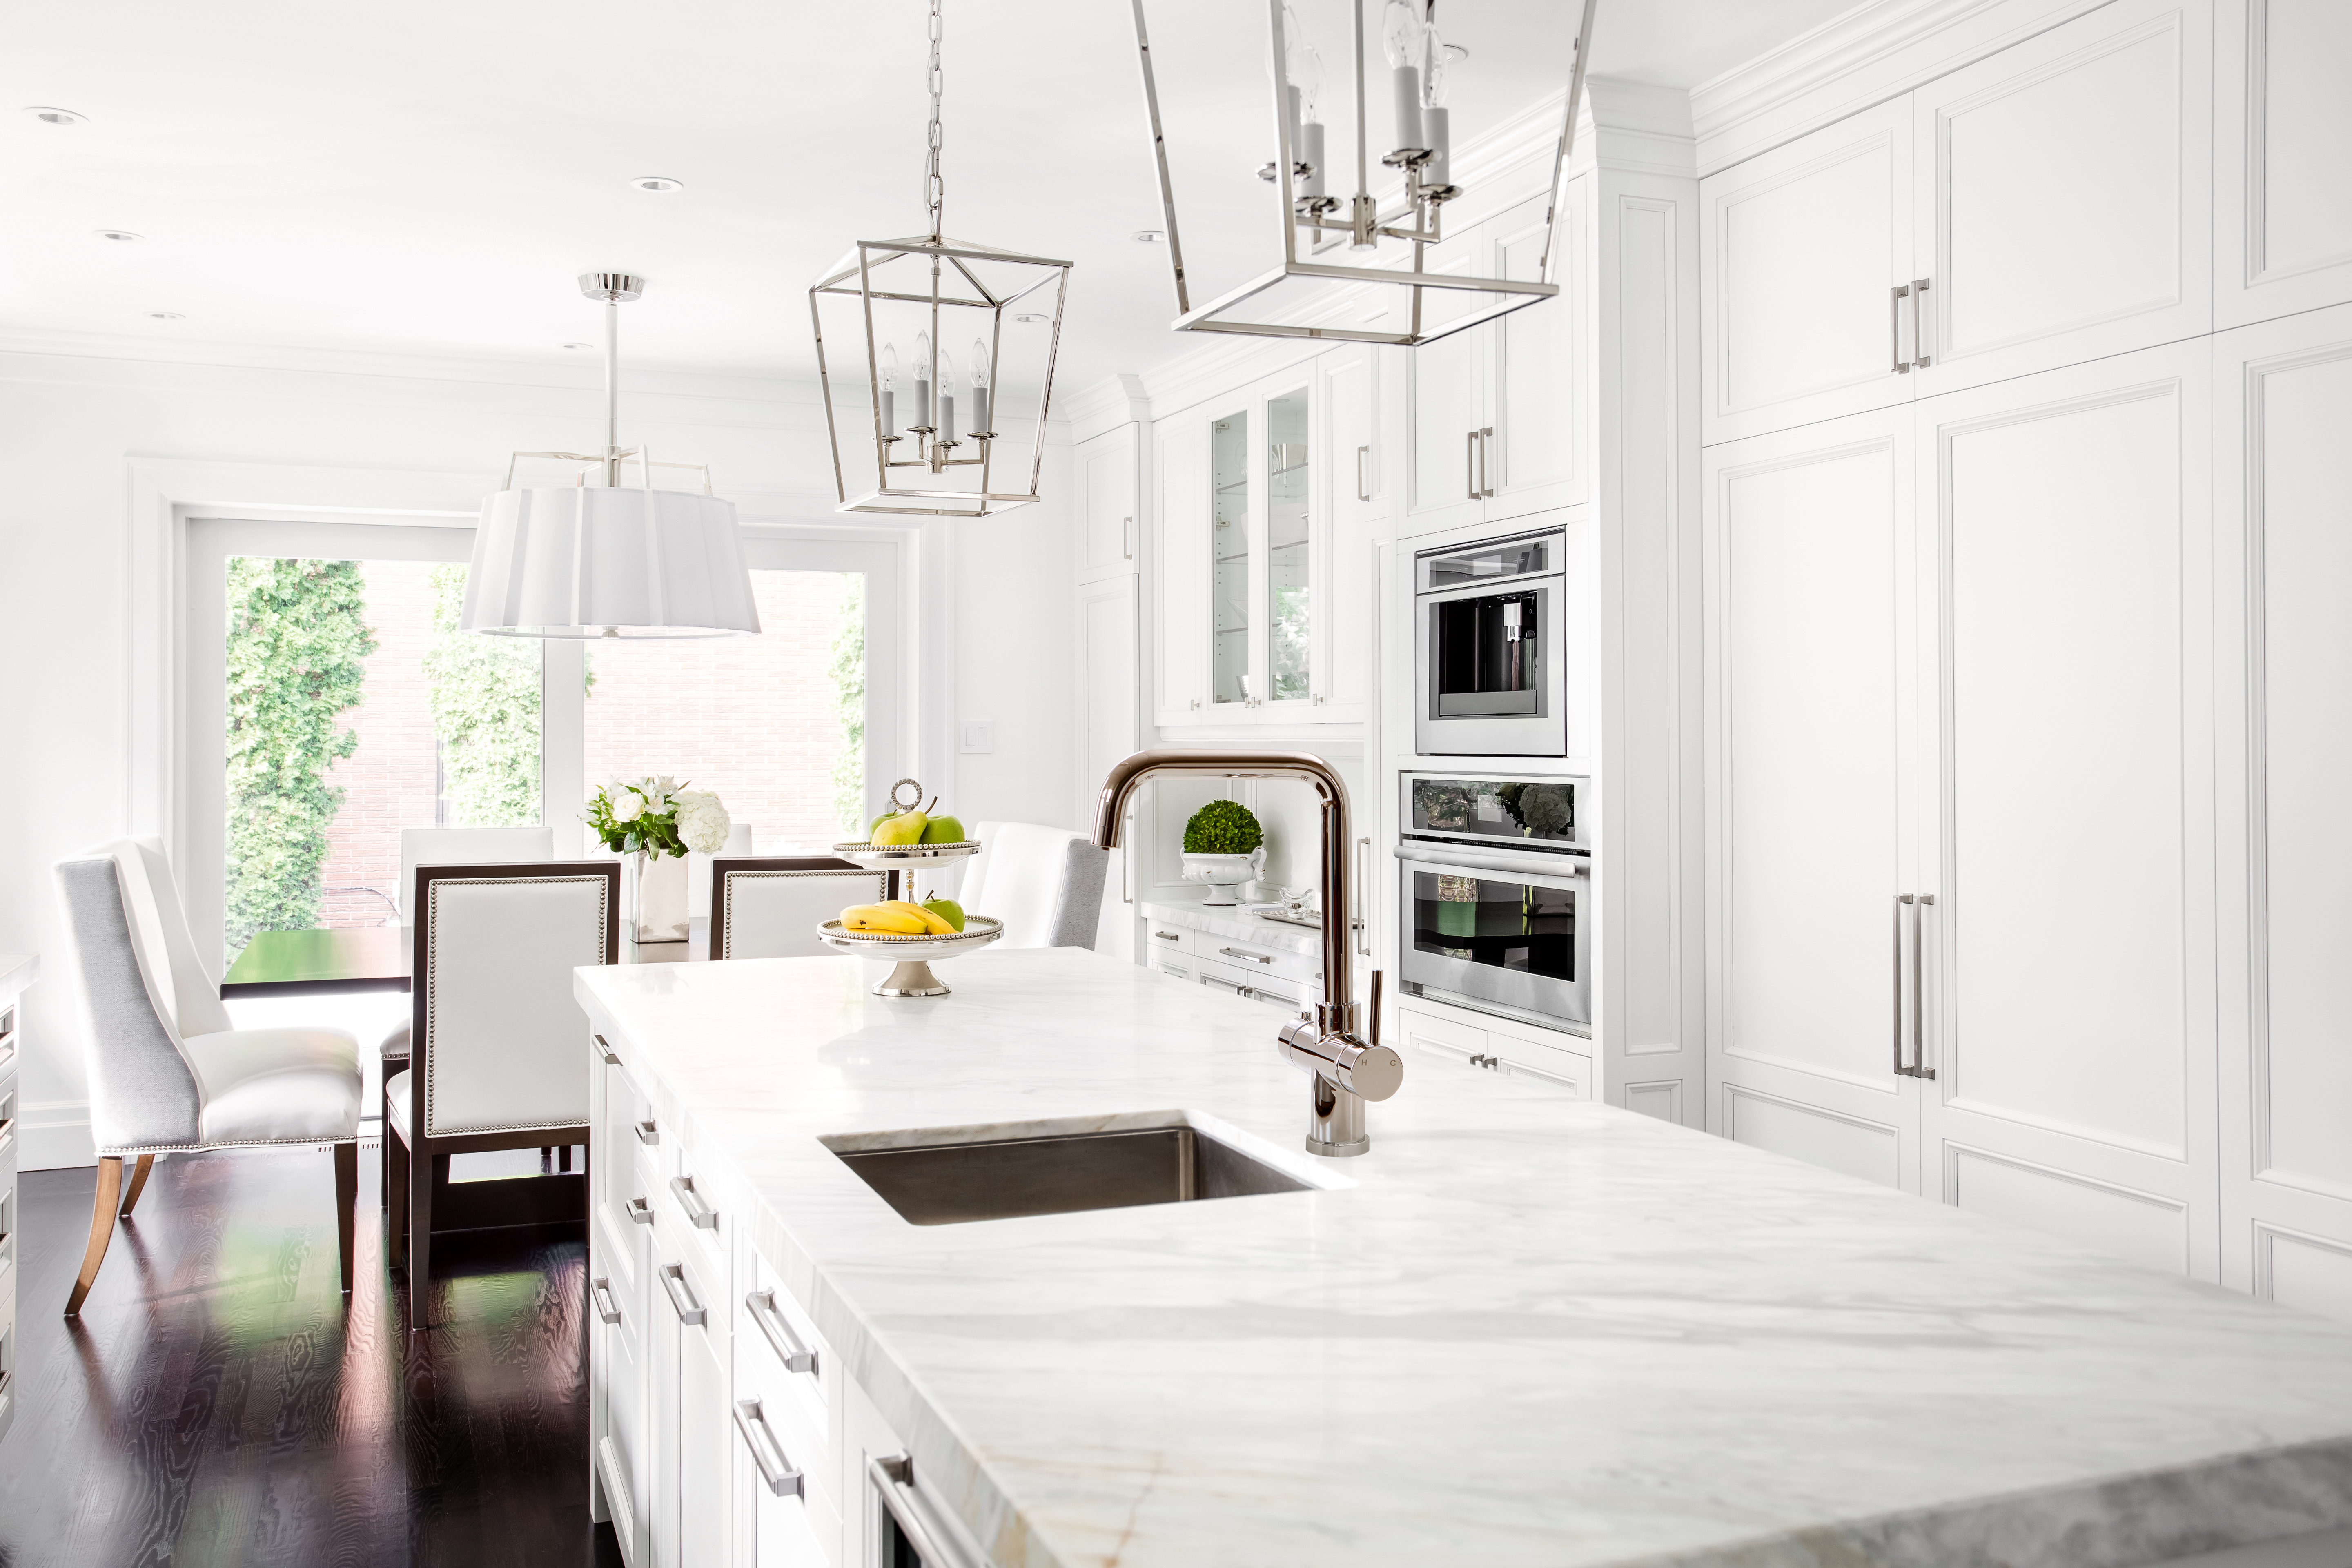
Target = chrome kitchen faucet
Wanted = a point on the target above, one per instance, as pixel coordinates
(1345, 1069)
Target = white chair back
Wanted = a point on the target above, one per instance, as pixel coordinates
(497, 1032)
(697, 866)
(1044, 883)
(771, 908)
(185, 998)
(464, 846)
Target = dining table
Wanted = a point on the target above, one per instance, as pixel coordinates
(342, 960)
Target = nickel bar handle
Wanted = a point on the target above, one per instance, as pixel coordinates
(1237, 952)
(796, 1356)
(689, 1311)
(1919, 985)
(1918, 343)
(777, 1474)
(894, 1479)
(1127, 538)
(1469, 462)
(1486, 448)
(1363, 490)
(640, 1212)
(1900, 899)
(608, 1309)
(647, 1132)
(611, 1057)
(1894, 297)
(697, 1208)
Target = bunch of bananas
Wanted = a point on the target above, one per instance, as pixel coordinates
(898, 917)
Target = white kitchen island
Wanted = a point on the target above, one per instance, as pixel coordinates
(1524, 1329)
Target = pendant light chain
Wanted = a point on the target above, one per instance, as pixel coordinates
(934, 188)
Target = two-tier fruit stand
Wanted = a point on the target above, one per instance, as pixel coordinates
(910, 952)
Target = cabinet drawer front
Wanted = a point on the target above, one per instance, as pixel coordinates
(1271, 989)
(703, 1212)
(614, 1177)
(1441, 1036)
(1169, 939)
(1247, 957)
(1173, 970)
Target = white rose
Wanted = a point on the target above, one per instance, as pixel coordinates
(627, 806)
(702, 822)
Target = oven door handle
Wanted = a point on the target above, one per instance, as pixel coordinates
(1537, 870)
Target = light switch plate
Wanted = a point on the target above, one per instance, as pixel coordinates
(977, 738)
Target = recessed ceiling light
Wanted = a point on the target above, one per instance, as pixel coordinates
(1030, 319)
(1456, 52)
(48, 115)
(120, 236)
(165, 316)
(1150, 237)
(580, 345)
(657, 183)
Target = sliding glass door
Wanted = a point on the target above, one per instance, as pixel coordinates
(329, 701)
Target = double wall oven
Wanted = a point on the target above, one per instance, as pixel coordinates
(1490, 672)
(1495, 876)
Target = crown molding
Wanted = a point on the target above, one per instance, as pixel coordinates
(1878, 50)
(1114, 401)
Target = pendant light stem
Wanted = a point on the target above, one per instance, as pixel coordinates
(612, 391)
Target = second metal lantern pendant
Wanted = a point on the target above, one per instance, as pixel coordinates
(927, 442)
(1335, 239)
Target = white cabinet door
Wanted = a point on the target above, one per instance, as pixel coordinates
(623, 1429)
(1447, 402)
(1537, 457)
(2070, 959)
(1801, 251)
(2282, 143)
(1180, 541)
(705, 1436)
(1107, 730)
(1808, 569)
(2282, 403)
(2064, 196)
(1347, 622)
(1106, 495)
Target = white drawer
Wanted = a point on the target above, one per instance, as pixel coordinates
(1254, 958)
(1175, 968)
(701, 1210)
(1495, 1052)
(1163, 937)
(1273, 990)
(801, 1407)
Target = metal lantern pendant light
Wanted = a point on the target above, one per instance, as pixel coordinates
(604, 560)
(931, 429)
(1299, 295)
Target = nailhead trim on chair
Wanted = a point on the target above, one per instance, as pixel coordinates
(727, 903)
(433, 994)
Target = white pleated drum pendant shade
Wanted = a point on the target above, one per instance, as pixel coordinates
(576, 561)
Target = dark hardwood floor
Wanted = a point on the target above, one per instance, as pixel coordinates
(218, 1404)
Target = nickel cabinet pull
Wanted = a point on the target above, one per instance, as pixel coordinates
(1168, 936)
(640, 1212)
(1917, 1067)
(1486, 449)
(647, 1132)
(1894, 297)
(1900, 899)
(608, 1311)
(1470, 463)
(1237, 952)
(1363, 490)
(775, 1473)
(796, 1356)
(704, 1217)
(1126, 538)
(892, 1477)
(1918, 343)
(689, 1311)
(611, 1057)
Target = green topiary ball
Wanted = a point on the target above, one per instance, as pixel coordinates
(1222, 827)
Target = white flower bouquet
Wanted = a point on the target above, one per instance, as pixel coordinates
(656, 817)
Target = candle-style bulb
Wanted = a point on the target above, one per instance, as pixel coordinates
(890, 368)
(979, 362)
(1401, 37)
(922, 356)
(980, 396)
(923, 420)
(1436, 120)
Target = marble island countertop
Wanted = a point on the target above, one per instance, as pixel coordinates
(1524, 1330)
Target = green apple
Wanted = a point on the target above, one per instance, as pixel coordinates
(947, 910)
(943, 830)
(878, 822)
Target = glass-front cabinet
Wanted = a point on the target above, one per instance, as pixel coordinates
(1259, 535)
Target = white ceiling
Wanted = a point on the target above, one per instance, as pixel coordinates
(428, 178)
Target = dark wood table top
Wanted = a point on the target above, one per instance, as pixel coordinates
(375, 958)
(315, 963)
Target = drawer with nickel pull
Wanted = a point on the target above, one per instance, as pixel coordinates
(782, 1361)
(1163, 939)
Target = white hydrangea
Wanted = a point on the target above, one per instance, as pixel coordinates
(702, 822)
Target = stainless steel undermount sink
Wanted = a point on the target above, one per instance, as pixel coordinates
(956, 1178)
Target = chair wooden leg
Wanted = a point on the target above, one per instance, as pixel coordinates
(564, 1158)
(102, 1230)
(420, 1238)
(347, 1195)
(137, 1184)
(395, 1181)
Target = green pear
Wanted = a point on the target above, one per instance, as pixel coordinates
(904, 829)
(943, 830)
(947, 910)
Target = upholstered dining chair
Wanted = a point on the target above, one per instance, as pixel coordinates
(1044, 883)
(499, 1038)
(697, 865)
(770, 907)
(168, 1072)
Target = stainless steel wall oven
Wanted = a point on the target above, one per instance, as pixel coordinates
(1496, 876)
(1489, 677)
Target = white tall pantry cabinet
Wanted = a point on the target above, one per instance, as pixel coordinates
(2025, 656)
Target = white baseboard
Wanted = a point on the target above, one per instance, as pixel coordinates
(55, 1136)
